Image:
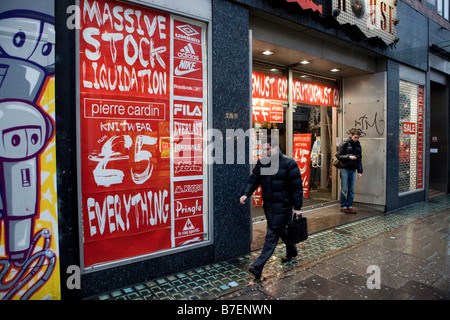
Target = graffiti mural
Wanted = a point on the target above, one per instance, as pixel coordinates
(28, 207)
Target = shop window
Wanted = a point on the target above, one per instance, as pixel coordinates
(142, 114)
(410, 137)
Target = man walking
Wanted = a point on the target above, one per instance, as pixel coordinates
(282, 190)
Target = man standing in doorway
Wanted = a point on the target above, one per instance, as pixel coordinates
(350, 154)
(282, 191)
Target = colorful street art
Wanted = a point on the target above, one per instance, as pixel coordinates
(29, 267)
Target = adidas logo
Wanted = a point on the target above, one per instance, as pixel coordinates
(188, 53)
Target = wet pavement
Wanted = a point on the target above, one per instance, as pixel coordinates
(401, 255)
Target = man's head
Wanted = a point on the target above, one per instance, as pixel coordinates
(355, 134)
(270, 147)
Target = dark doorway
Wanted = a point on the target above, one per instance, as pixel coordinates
(439, 174)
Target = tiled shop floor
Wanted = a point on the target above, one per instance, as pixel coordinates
(218, 280)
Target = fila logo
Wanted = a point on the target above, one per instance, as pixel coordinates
(186, 110)
(188, 53)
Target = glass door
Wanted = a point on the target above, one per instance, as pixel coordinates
(312, 129)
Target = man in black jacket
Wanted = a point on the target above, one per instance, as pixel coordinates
(282, 190)
(350, 155)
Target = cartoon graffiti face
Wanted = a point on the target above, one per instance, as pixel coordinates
(26, 54)
(25, 130)
(28, 38)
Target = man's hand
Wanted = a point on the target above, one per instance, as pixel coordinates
(298, 213)
(243, 199)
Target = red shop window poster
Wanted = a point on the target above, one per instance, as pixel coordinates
(133, 134)
(302, 155)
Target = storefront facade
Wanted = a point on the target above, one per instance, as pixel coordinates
(151, 113)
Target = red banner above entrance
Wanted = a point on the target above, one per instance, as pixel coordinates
(273, 87)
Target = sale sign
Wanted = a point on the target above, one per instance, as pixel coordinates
(409, 127)
(302, 155)
(136, 140)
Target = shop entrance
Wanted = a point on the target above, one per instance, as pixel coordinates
(305, 123)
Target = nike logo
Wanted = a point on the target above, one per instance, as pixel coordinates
(179, 72)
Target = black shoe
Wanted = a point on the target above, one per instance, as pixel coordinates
(287, 259)
(257, 273)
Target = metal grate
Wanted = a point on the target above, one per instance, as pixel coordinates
(408, 137)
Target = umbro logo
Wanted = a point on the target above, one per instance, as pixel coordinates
(187, 30)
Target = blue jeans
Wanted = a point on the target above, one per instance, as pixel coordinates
(347, 187)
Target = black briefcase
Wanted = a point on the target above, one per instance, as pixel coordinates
(297, 229)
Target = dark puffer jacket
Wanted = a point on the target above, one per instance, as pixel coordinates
(280, 191)
(347, 149)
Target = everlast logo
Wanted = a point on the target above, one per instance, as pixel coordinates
(375, 18)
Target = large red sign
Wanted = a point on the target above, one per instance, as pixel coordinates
(136, 140)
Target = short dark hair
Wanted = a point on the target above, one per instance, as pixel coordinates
(354, 131)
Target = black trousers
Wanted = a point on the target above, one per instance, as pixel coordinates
(272, 237)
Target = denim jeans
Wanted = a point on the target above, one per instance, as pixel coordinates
(347, 187)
